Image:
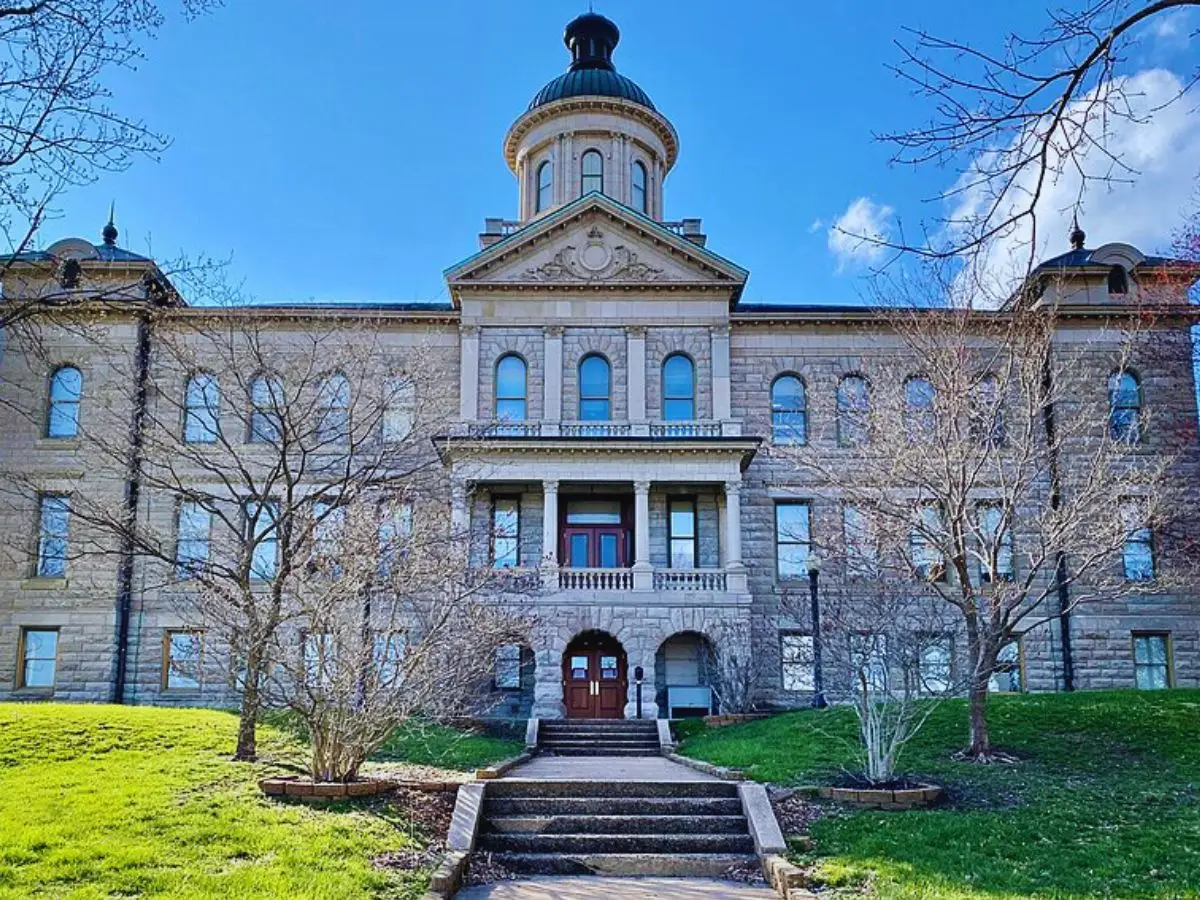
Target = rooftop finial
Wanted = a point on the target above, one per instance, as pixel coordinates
(1077, 236)
(591, 39)
(110, 230)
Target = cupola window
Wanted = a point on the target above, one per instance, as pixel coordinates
(637, 193)
(1118, 280)
(545, 186)
(592, 168)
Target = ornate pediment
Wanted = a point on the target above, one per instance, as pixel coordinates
(595, 243)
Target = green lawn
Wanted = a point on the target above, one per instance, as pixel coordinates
(1105, 802)
(436, 745)
(101, 801)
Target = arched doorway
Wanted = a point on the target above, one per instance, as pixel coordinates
(685, 672)
(595, 680)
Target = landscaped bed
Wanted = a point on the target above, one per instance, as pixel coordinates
(102, 800)
(1103, 800)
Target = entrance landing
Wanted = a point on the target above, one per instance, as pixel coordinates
(605, 768)
(590, 888)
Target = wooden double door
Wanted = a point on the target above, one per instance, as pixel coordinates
(595, 681)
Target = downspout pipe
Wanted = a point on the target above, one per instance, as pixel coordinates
(133, 490)
(1060, 557)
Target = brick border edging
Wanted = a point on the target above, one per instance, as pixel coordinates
(300, 788)
(900, 798)
(707, 768)
(787, 880)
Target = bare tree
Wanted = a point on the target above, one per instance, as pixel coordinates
(393, 627)
(58, 127)
(254, 432)
(1014, 119)
(1006, 465)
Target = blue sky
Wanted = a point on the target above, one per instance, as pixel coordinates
(350, 152)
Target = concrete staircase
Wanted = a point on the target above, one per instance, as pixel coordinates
(598, 737)
(548, 827)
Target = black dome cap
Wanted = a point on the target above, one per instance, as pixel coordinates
(591, 38)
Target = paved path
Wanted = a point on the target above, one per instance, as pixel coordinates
(588, 888)
(606, 768)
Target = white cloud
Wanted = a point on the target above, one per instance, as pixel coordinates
(852, 237)
(1159, 142)
(817, 225)
(1172, 28)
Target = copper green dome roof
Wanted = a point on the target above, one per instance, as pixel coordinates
(591, 39)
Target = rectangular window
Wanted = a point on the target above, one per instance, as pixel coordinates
(858, 528)
(924, 542)
(934, 664)
(399, 409)
(506, 532)
(1006, 679)
(797, 655)
(395, 531)
(1152, 660)
(792, 539)
(997, 549)
(508, 667)
(192, 533)
(54, 512)
(681, 533)
(261, 532)
(39, 658)
(1139, 542)
(182, 652)
(868, 662)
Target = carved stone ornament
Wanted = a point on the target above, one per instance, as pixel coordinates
(595, 261)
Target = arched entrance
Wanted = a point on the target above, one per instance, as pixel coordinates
(685, 676)
(595, 679)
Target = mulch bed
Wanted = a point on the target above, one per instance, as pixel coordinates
(425, 817)
(484, 870)
(749, 872)
(795, 812)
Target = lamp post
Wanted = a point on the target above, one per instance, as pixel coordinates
(814, 573)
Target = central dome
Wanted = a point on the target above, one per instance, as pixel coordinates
(591, 39)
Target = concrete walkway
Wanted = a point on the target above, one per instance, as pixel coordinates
(589, 888)
(605, 768)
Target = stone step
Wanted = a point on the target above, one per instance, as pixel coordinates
(575, 733)
(597, 750)
(617, 843)
(614, 824)
(611, 806)
(546, 725)
(528, 787)
(640, 742)
(696, 865)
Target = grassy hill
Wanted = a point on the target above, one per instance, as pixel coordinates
(1105, 801)
(98, 801)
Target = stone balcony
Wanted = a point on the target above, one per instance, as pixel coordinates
(565, 583)
(699, 428)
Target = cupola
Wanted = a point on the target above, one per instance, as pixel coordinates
(591, 129)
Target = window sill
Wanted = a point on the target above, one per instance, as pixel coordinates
(47, 443)
(33, 692)
(45, 584)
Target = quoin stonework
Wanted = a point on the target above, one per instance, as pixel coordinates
(612, 410)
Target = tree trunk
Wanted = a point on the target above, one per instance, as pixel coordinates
(981, 744)
(247, 740)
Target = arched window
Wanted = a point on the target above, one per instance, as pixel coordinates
(511, 389)
(853, 411)
(545, 186)
(1125, 407)
(595, 389)
(919, 420)
(789, 411)
(637, 188)
(333, 409)
(679, 389)
(266, 405)
(66, 391)
(1118, 280)
(592, 169)
(202, 409)
(987, 413)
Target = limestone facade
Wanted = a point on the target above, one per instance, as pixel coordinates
(682, 474)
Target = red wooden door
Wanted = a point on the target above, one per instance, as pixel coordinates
(595, 681)
(594, 547)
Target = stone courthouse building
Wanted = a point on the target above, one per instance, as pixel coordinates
(616, 402)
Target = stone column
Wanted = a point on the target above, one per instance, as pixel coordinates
(635, 379)
(720, 373)
(645, 659)
(552, 389)
(735, 569)
(468, 373)
(643, 575)
(550, 534)
(547, 684)
(460, 510)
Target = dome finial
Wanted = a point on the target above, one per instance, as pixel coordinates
(1077, 237)
(591, 39)
(110, 230)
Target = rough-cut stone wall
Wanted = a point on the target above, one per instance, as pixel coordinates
(609, 343)
(495, 343)
(661, 343)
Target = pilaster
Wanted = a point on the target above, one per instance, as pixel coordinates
(468, 373)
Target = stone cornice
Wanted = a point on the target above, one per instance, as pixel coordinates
(742, 448)
(655, 121)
